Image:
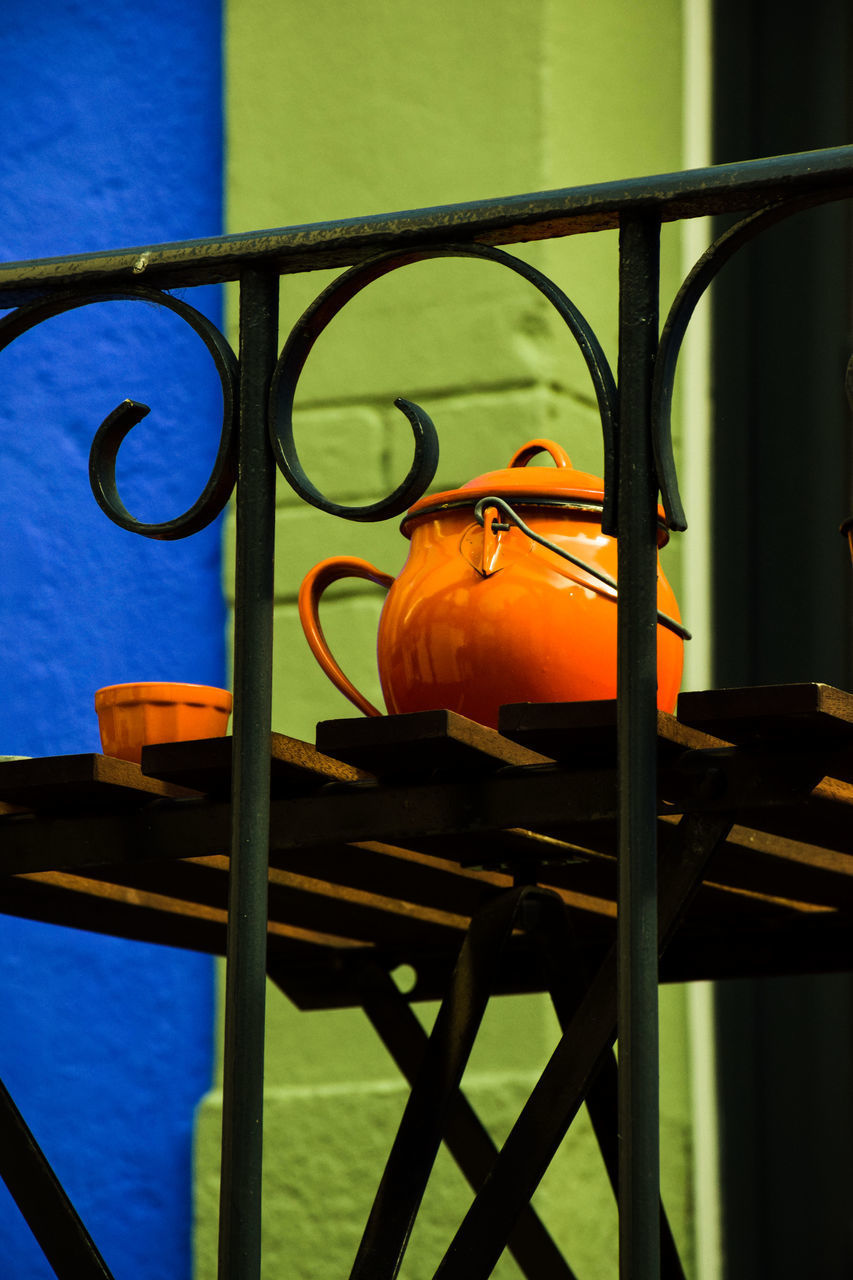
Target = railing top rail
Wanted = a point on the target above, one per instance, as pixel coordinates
(729, 188)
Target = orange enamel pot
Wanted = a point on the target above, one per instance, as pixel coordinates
(483, 616)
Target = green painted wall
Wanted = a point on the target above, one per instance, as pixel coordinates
(336, 110)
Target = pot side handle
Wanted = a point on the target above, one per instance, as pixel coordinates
(314, 584)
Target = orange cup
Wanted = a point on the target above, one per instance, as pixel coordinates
(130, 716)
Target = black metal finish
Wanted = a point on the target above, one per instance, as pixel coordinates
(500, 1216)
(639, 1110)
(401, 1190)
(466, 1137)
(38, 1193)
(245, 991)
(336, 296)
(638, 461)
(111, 433)
(726, 188)
(691, 291)
(582, 1067)
(567, 982)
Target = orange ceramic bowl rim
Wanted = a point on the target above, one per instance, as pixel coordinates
(164, 692)
(135, 715)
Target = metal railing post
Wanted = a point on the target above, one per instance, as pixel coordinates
(637, 923)
(245, 987)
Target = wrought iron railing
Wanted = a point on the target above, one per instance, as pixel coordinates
(256, 438)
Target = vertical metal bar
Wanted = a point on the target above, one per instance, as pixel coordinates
(242, 1113)
(637, 928)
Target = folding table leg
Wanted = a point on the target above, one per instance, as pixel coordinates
(562, 963)
(424, 1120)
(39, 1195)
(565, 1081)
(467, 1139)
(465, 1136)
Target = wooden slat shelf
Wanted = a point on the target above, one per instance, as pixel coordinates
(391, 833)
(816, 714)
(79, 782)
(584, 733)
(295, 767)
(422, 745)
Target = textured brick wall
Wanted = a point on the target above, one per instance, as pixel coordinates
(341, 110)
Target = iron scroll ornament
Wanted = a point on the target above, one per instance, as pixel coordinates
(327, 305)
(115, 427)
(695, 284)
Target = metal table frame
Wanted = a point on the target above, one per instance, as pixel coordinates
(258, 390)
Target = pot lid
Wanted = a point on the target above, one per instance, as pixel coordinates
(525, 485)
(521, 482)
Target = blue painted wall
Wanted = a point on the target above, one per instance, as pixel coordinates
(111, 136)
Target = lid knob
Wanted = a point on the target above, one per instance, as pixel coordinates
(533, 447)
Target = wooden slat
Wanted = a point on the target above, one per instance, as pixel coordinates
(67, 840)
(319, 981)
(56, 898)
(750, 872)
(368, 892)
(295, 900)
(759, 862)
(76, 782)
(423, 744)
(396, 868)
(407, 873)
(823, 819)
(584, 733)
(355, 914)
(125, 911)
(398, 813)
(805, 713)
(428, 903)
(205, 765)
(513, 850)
